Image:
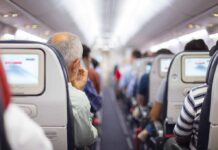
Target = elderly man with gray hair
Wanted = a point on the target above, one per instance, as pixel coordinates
(70, 47)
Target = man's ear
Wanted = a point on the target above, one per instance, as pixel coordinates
(76, 63)
(73, 67)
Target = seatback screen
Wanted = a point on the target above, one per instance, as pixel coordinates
(25, 70)
(164, 65)
(196, 66)
(21, 69)
(195, 69)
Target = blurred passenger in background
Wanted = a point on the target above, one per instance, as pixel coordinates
(93, 75)
(196, 45)
(156, 109)
(93, 83)
(127, 75)
(98, 69)
(143, 88)
(92, 90)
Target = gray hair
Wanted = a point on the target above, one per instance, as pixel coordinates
(68, 44)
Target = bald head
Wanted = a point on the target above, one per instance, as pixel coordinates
(69, 46)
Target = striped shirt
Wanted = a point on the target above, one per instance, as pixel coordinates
(188, 121)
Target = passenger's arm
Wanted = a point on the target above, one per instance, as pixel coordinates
(85, 133)
(155, 111)
(184, 126)
(140, 99)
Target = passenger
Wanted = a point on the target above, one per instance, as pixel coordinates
(70, 47)
(22, 133)
(93, 75)
(90, 90)
(196, 45)
(97, 67)
(143, 88)
(155, 112)
(186, 128)
(117, 73)
(127, 76)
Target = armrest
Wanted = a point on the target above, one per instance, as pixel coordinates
(168, 128)
(158, 128)
(172, 145)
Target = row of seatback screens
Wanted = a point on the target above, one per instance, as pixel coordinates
(26, 69)
(194, 68)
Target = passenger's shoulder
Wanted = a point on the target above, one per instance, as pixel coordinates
(77, 95)
(199, 91)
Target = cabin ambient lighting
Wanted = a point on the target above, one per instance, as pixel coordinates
(5, 15)
(134, 14)
(184, 38)
(215, 14)
(14, 15)
(86, 15)
(22, 35)
(190, 26)
(35, 26)
(214, 36)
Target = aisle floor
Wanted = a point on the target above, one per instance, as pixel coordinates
(115, 133)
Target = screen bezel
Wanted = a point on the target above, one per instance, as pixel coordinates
(24, 89)
(194, 79)
(163, 74)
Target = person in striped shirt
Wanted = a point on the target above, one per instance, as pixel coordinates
(187, 126)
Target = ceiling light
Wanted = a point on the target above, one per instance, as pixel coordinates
(210, 25)
(132, 15)
(5, 15)
(190, 26)
(14, 14)
(215, 14)
(35, 26)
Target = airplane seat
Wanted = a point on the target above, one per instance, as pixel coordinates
(208, 125)
(4, 101)
(187, 70)
(40, 87)
(182, 76)
(158, 73)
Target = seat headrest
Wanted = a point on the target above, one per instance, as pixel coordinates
(211, 69)
(4, 87)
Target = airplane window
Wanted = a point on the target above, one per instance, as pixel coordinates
(194, 69)
(24, 71)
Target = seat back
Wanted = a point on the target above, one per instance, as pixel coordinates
(158, 73)
(208, 125)
(42, 93)
(187, 70)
